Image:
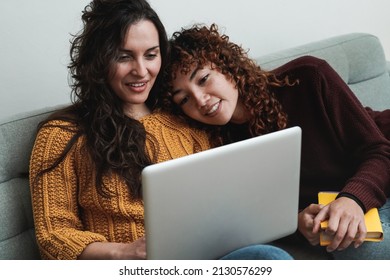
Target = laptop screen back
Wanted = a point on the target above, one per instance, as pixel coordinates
(205, 205)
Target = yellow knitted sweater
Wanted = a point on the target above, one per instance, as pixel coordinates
(69, 213)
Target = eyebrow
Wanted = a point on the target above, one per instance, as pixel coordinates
(192, 76)
(148, 50)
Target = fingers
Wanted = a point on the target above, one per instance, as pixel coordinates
(305, 223)
(314, 209)
(361, 235)
(321, 216)
(345, 223)
(346, 230)
(343, 234)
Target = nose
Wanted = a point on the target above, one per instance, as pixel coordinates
(139, 68)
(201, 98)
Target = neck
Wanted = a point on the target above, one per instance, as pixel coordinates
(136, 111)
(240, 115)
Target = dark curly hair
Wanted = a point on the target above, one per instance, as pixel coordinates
(200, 45)
(116, 143)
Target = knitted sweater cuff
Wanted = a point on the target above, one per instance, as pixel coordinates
(351, 196)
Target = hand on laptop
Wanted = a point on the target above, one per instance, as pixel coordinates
(115, 251)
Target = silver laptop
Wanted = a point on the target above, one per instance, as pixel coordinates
(205, 205)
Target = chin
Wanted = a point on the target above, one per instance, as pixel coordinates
(215, 122)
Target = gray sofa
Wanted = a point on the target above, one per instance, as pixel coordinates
(359, 58)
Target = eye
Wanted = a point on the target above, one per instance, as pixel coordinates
(124, 57)
(183, 101)
(151, 56)
(180, 99)
(204, 79)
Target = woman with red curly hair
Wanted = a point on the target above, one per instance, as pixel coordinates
(212, 81)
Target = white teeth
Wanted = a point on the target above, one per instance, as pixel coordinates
(137, 84)
(213, 109)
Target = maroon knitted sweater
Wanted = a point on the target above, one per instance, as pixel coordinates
(342, 147)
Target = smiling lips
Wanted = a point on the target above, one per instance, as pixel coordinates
(213, 109)
(138, 87)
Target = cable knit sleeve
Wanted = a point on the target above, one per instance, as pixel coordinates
(59, 229)
(170, 138)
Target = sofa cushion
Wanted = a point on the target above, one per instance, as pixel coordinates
(17, 135)
(17, 231)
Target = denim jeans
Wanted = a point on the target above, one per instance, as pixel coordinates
(371, 250)
(258, 252)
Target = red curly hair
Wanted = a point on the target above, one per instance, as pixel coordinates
(200, 45)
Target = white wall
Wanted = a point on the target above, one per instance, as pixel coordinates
(34, 52)
(34, 44)
(265, 26)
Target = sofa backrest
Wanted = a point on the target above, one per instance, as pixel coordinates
(17, 135)
(357, 57)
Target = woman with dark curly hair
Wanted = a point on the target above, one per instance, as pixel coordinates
(87, 158)
(212, 81)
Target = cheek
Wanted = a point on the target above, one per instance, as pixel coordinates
(155, 68)
(232, 94)
(191, 112)
(113, 82)
(116, 75)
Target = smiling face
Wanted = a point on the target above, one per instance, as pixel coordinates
(206, 95)
(137, 66)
